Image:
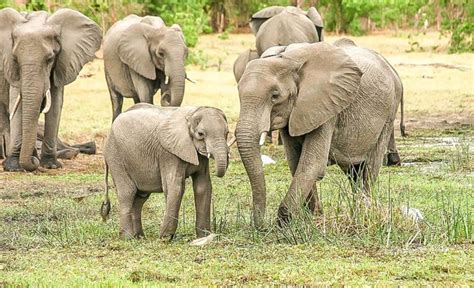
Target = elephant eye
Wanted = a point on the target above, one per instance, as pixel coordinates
(200, 135)
(275, 95)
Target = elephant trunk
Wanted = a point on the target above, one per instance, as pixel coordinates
(177, 77)
(248, 144)
(32, 92)
(221, 158)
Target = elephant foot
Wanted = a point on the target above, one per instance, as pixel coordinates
(68, 154)
(393, 159)
(86, 148)
(284, 217)
(12, 164)
(125, 235)
(166, 236)
(140, 235)
(49, 162)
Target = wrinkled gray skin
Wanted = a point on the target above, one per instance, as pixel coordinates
(139, 54)
(393, 158)
(154, 149)
(40, 53)
(280, 26)
(329, 102)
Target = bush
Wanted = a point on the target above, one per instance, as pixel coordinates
(458, 20)
(189, 14)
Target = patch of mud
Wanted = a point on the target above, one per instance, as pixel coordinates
(436, 65)
(438, 122)
(31, 218)
(425, 166)
(431, 142)
(35, 189)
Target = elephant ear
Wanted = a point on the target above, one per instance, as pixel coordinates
(173, 132)
(79, 38)
(8, 19)
(328, 83)
(263, 15)
(134, 50)
(314, 16)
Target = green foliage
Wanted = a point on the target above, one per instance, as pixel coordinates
(461, 26)
(189, 14)
(345, 15)
(198, 58)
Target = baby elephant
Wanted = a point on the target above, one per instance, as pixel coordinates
(154, 149)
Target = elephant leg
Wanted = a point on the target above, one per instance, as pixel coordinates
(115, 97)
(356, 173)
(375, 159)
(12, 163)
(67, 154)
(144, 89)
(174, 194)
(3, 146)
(393, 158)
(293, 147)
(311, 167)
(126, 192)
(4, 130)
(140, 199)
(202, 201)
(64, 151)
(86, 148)
(49, 157)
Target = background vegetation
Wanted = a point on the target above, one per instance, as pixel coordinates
(50, 230)
(355, 17)
(51, 233)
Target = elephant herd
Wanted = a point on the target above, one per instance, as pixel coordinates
(331, 103)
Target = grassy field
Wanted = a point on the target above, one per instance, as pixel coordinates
(51, 233)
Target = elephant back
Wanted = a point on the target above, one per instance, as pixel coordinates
(284, 29)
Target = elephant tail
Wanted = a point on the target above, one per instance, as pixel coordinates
(105, 209)
(402, 117)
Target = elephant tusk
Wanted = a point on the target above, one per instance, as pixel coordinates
(231, 141)
(190, 80)
(263, 136)
(15, 106)
(208, 155)
(48, 102)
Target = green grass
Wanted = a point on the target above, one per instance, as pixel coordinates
(51, 232)
(49, 237)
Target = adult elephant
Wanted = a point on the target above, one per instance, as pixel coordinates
(329, 102)
(280, 26)
(142, 55)
(41, 53)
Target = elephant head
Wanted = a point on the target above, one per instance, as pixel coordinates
(263, 15)
(298, 88)
(40, 51)
(146, 48)
(203, 130)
